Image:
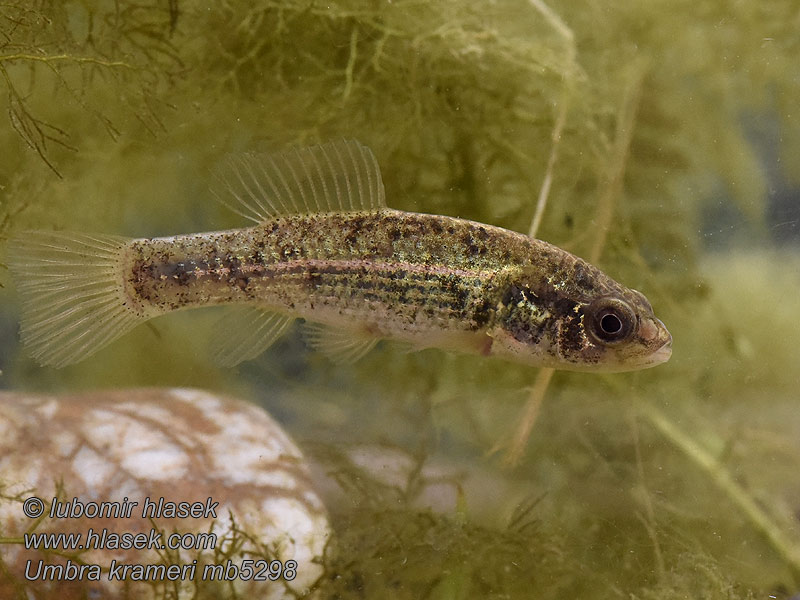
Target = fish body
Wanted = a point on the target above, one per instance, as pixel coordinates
(326, 249)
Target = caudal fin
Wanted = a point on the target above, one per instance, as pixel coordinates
(73, 302)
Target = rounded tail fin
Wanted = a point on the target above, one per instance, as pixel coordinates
(73, 301)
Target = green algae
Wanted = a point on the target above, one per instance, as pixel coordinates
(117, 110)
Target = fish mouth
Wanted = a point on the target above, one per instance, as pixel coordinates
(663, 353)
(656, 334)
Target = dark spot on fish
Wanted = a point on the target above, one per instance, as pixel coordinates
(565, 306)
(357, 223)
(240, 280)
(482, 314)
(398, 274)
(212, 260)
(571, 334)
(525, 330)
(470, 245)
(288, 252)
(514, 295)
(314, 278)
(181, 274)
(460, 293)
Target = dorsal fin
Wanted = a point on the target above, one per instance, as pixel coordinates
(337, 176)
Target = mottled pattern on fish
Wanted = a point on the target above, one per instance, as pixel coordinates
(416, 270)
(427, 280)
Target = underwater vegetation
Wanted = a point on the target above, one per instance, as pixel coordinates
(660, 141)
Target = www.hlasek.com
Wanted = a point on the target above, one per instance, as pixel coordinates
(103, 539)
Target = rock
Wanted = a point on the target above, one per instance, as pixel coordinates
(119, 464)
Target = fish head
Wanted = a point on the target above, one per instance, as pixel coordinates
(577, 318)
(621, 333)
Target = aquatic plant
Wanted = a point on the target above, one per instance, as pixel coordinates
(676, 482)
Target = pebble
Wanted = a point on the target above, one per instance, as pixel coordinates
(134, 467)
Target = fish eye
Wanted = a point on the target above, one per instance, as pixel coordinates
(610, 320)
(610, 324)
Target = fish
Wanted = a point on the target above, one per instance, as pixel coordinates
(325, 248)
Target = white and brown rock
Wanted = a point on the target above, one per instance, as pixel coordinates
(181, 445)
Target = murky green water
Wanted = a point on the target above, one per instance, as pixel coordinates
(676, 166)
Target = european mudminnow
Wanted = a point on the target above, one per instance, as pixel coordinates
(326, 248)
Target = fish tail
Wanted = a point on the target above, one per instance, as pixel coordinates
(73, 299)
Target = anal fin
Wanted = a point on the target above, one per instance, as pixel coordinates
(245, 332)
(342, 346)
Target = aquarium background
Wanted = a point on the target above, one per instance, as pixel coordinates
(669, 136)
